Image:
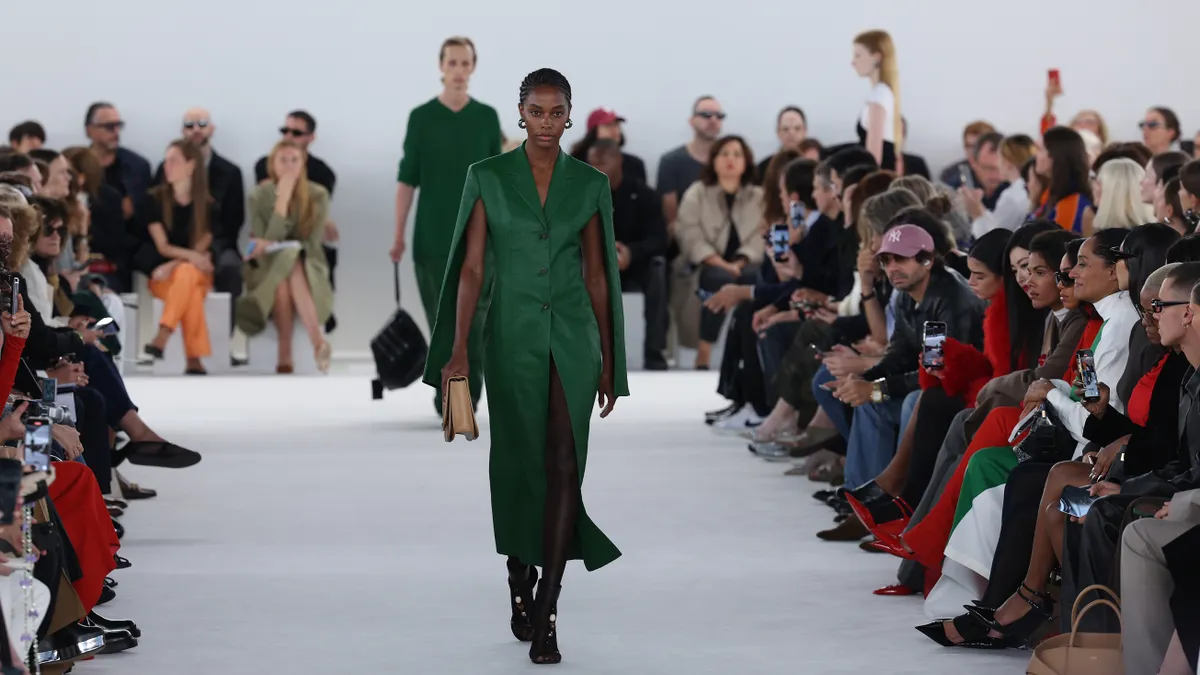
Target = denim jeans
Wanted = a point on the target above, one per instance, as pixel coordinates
(872, 442)
(832, 407)
(906, 411)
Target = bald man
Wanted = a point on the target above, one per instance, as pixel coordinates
(229, 207)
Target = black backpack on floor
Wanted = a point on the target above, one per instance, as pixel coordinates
(399, 350)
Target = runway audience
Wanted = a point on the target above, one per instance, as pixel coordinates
(1060, 270)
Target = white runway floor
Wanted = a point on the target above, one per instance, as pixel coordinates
(328, 533)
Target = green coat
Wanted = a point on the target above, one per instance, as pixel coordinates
(539, 307)
(263, 275)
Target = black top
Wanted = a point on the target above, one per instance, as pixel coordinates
(638, 221)
(1183, 472)
(888, 162)
(735, 241)
(948, 299)
(1150, 447)
(229, 195)
(318, 172)
(179, 234)
(45, 345)
(108, 234)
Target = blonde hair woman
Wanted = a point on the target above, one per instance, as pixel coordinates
(880, 129)
(286, 272)
(1118, 192)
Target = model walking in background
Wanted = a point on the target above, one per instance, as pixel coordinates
(540, 223)
(445, 136)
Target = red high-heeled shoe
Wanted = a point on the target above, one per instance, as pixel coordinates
(880, 512)
(891, 544)
(894, 589)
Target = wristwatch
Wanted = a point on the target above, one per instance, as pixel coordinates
(867, 296)
(879, 391)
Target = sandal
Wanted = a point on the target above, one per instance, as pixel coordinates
(518, 594)
(1021, 630)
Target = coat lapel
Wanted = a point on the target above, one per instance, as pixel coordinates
(521, 176)
(560, 185)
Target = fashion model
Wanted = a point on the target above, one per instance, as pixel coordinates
(553, 342)
(880, 127)
(445, 136)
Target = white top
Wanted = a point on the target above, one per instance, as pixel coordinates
(1012, 208)
(40, 294)
(881, 94)
(1111, 353)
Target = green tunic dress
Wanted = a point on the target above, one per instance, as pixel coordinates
(439, 146)
(539, 309)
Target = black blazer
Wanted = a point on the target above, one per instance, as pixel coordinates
(45, 345)
(1150, 447)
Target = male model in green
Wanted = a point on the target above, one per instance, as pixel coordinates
(445, 136)
(553, 343)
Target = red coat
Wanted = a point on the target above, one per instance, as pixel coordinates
(967, 369)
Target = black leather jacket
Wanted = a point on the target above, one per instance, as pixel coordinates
(947, 299)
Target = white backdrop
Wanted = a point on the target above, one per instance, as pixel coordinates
(360, 65)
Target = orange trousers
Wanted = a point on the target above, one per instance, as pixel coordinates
(929, 537)
(183, 295)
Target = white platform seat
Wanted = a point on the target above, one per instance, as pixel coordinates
(130, 335)
(174, 361)
(634, 305)
(264, 352)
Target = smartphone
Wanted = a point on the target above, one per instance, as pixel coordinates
(10, 291)
(703, 294)
(1075, 501)
(1085, 364)
(1054, 77)
(796, 215)
(107, 326)
(933, 353)
(10, 487)
(781, 236)
(964, 176)
(49, 390)
(37, 443)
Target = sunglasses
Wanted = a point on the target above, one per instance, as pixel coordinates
(708, 115)
(1117, 253)
(294, 133)
(111, 126)
(201, 124)
(1064, 279)
(49, 231)
(1148, 125)
(1158, 305)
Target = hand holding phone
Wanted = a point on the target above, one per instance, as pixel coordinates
(933, 352)
(1075, 501)
(780, 238)
(1085, 365)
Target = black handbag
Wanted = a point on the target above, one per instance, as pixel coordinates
(1048, 441)
(399, 349)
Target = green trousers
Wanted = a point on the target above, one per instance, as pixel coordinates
(429, 285)
(987, 468)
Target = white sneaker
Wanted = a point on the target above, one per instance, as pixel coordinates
(738, 422)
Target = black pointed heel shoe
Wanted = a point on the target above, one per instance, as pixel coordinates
(520, 595)
(974, 635)
(1021, 630)
(544, 648)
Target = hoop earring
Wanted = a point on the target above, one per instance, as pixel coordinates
(569, 124)
(521, 122)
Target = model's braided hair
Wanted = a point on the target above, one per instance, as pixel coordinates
(544, 77)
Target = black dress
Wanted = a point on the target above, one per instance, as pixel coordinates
(889, 149)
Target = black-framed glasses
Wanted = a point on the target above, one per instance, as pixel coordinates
(710, 114)
(1063, 279)
(1117, 253)
(1158, 305)
(202, 124)
(111, 126)
(294, 133)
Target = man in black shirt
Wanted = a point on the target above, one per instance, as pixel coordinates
(301, 128)
(641, 236)
(229, 204)
(124, 170)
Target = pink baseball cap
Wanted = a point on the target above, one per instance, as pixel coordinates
(906, 241)
(602, 116)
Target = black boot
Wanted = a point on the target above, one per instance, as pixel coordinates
(521, 581)
(545, 631)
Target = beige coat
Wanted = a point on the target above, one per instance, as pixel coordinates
(263, 275)
(702, 226)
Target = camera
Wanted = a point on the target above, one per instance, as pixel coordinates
(55, 414)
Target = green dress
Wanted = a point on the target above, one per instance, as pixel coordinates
(539, 307)
(439, 146)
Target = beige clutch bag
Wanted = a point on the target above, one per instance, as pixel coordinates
(458, 415)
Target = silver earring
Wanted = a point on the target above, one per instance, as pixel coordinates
(569, 123)
(521, 122)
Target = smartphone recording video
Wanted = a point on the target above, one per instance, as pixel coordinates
(933, 354)
(1085, 364)
(10, 290)
(107, 326)
(796, 215)
(780, 238)
(37, 443)
(10, 487)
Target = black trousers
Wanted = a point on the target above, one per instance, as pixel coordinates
(773, 346)
(741, 379)
(933, 420)
(1089, 556)
(711, 280)
(92, 423)
(651, 279)
(1022, 503)
(227, 278)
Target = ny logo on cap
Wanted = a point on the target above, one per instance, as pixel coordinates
(894, 236)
